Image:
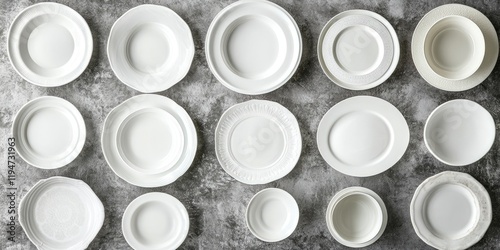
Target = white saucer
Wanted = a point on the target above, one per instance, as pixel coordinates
(418, 47)
(258, 141)
(459, 132)
(155, 221)
(61, 213)
(272, 215)
(150, 48)
(451, 210)
(50, 132)
(49, 44)
(356, 217)
(358, 49)
(362, 136)
(253, 46)
(149, 140)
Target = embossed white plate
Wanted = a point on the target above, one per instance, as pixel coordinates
(50, 132)
(49, 44)
(253, 46)
(149, 140)
(258, 141)
(451, 210)
(155, 221)
(61, 213)
(150, 48)
(362, 136)
(358, 49)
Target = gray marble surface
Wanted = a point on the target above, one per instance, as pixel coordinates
(216, 202)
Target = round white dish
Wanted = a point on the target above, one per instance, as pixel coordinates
(490, 41)
(356, 217)
(61, 213)
(459, 132)
(258, 141)
(358, 49)
(49, 44)
(155, 221)
(272, 215)
(150, 48)
(149, 140)
(362, 136)
(253, 46)
(451, 210)
(50, 132)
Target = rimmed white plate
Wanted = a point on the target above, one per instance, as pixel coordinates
(149, 140)
(358, 49)
(61, 213)
(362, 136)
(451, 210)
(253, 46)
(150, 48)
(49, 44)
(155, 221)
(272, 215)
(459, 132)
(356, 217)
(50, 132)
(258, 141)
(490, 40)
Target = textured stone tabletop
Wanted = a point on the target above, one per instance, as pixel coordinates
(216, 202)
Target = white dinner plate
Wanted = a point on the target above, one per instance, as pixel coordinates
(149, 140)
(253, 46)
(358, 49)
(356, 217)
(272, 215)
(150, 48)
(451, 55)
(459, 132)
(258, 141)
(61, 213)
(362, 136)
(451, 210)
(155, 221)
(49, 44)
(50, 132)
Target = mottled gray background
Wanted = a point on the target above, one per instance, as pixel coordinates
(215, 201)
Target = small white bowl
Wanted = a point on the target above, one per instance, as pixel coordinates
(356, 217)
(454, 47)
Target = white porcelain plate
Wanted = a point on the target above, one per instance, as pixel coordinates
(258, 141)
(61, 213)
(459, 132)
(356, 217)
(150, 48)
(451, 210)
(253, 47)
(272, 215)
(155, 221)
(358, 49)
(49, 44)
(149, 140)
(454, 48)
(362, 136)
(50, 132)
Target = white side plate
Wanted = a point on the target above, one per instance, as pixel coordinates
(362, 136)
(150, 48)
(253, 46)
(50, 132)
(258, 141)
(49, 44)
(61, 213)
(451, 210)
(155, 221)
